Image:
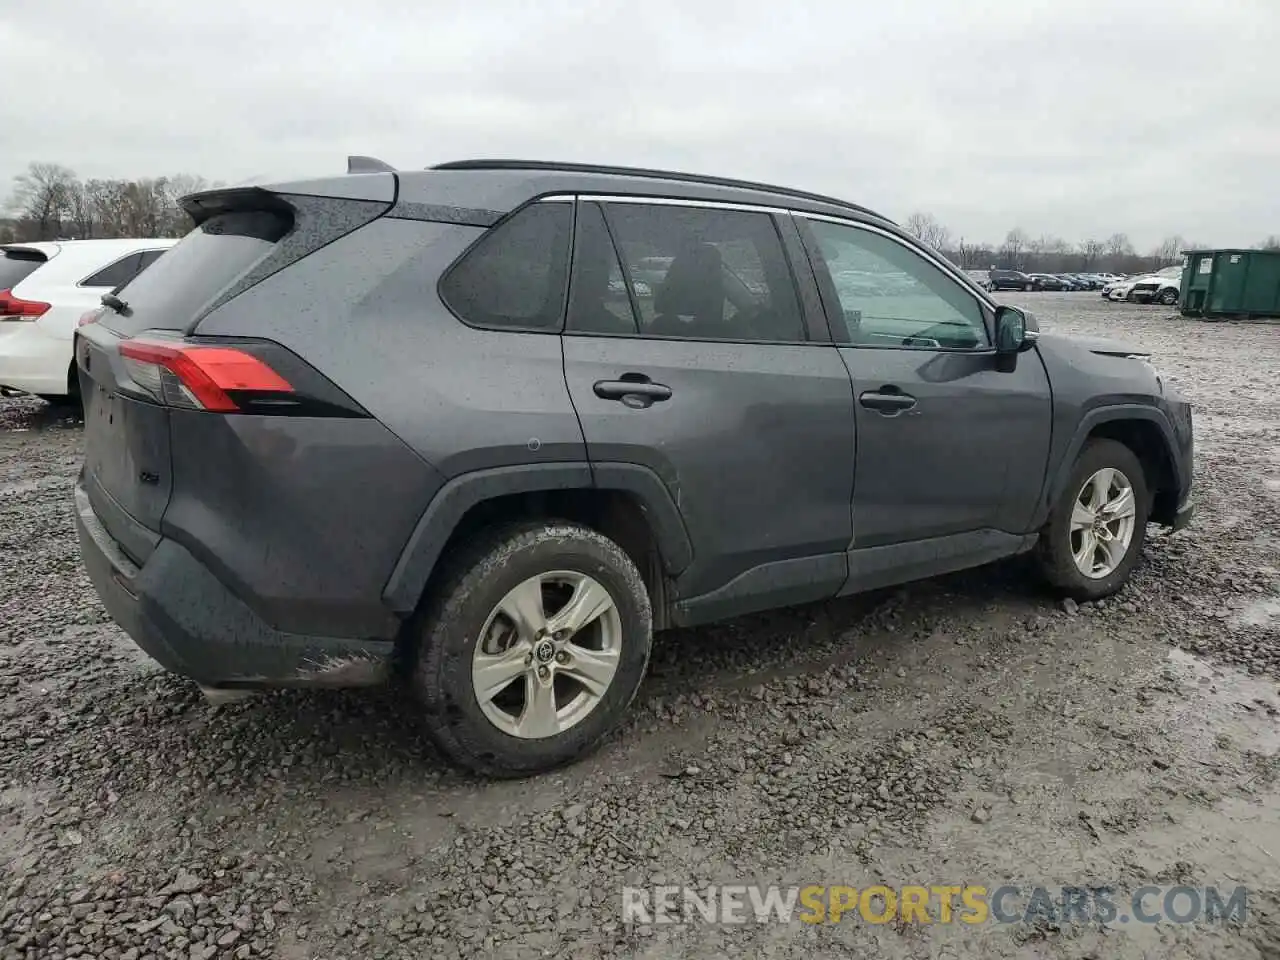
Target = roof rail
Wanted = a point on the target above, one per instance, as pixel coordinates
(646, 172)
(368, 165)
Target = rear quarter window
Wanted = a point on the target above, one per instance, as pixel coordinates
(517, 274)
(115, 274)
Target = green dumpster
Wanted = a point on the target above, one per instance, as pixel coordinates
(1217, 284)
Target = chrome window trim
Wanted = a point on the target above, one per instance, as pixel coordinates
(682, 202)
(942, 264)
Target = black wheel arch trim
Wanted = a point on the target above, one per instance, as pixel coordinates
(1056, 481)
(422, 551)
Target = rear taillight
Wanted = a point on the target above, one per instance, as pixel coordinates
(15, 308)
(201, 377)
(89, 317)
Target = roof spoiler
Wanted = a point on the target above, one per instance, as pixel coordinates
(368, 165)
(204, 204)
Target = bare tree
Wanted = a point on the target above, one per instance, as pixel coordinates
(82, 211)
(42, 196)
(1093, 251)
(967, 255)
(1271, 243)
(1015, 242)
(926, 228)
(1170, 250)
(1118, 245)
(176, 221)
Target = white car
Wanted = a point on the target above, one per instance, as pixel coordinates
(45, 288)
(1163, 286)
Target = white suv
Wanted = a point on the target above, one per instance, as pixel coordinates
(44, 290)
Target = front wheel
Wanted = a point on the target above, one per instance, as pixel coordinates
(1028, 287)
(532, 649)
(1096, 530)
(1169, 298)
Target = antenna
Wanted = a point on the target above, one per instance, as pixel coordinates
(368, 165)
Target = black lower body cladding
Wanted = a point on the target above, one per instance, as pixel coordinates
(177, 611)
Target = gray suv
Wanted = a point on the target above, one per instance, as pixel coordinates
(488, 426)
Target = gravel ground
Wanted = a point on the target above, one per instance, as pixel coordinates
(967, 729)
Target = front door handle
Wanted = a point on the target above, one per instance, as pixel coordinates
(634, 393)
(886, 403)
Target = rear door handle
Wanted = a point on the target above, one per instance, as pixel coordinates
(634, 393)
(886, 403)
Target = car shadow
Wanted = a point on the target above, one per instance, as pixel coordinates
(32, 413)
(378, 736)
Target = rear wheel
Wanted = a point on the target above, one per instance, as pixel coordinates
(533, 648)
(1096, 530)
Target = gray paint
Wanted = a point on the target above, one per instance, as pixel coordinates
(464, 399)
(761, 476)
(280, 509)
(969, 455)
(755, 444)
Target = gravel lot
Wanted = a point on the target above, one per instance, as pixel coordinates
(968, 729)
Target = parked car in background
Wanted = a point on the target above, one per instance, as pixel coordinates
(1072, 281)
(45, 288)
(1047, 281)
(1009, 280)
(541, 465)
(1163, 287)
(1111, 284)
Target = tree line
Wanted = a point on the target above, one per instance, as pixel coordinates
(1050, 254)
(50, 202)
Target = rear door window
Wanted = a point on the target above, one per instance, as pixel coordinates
(598, 298)
(701, 273)
(516, 276)
(115, 274)
(17, 265)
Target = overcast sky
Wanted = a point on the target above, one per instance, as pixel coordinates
(1077, 118)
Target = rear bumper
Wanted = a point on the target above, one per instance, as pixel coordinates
(31, 360)
(185, 619)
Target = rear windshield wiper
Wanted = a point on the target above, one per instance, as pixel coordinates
(115, 303)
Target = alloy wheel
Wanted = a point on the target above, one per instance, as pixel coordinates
(1103, 518)
(547, 654)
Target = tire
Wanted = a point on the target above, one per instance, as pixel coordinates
(450, 635)
(1169, 298)
(1028, 287)
(1054, 551)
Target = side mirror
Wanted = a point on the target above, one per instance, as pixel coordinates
(1016, 330)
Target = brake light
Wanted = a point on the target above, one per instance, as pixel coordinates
(199, 377)
(91, 316)
(15, 308)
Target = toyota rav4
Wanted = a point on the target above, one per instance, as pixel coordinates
(487, 426)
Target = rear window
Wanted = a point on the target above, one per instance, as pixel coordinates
(17, 265)
(170, 293)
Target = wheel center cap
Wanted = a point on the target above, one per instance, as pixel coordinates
(544, 652)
